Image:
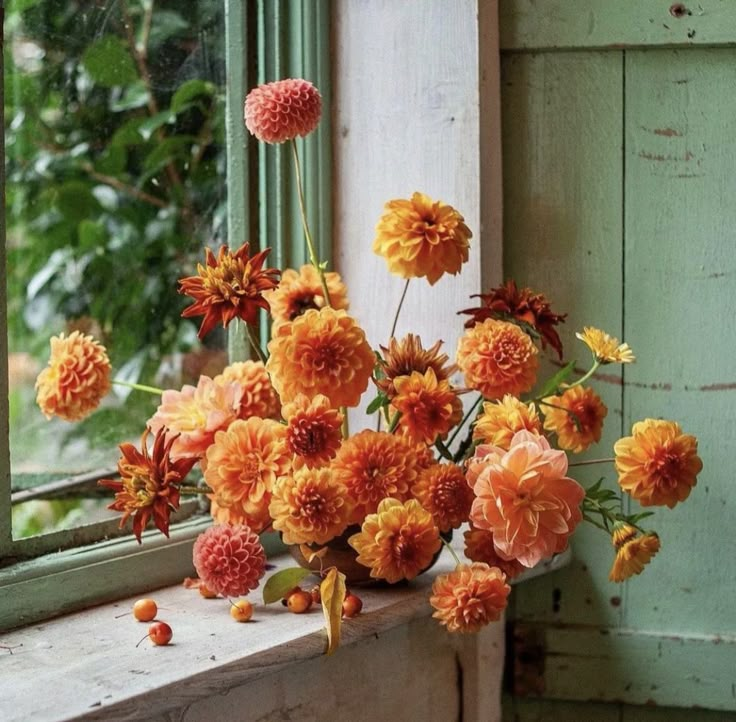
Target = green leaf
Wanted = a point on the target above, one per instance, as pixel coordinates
(166, 24)
(149, 126)
(190, 90)
(112, 161)
(134, 96)
(380, 401)
(559, 378)
(280, 583)
(166, 151)
(18, 6)
(91, 234)
(109, 63)
(332, 592)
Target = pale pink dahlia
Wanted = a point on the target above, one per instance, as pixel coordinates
(280, 111)
(229, 559)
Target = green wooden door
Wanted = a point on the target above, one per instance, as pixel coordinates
(619, 124)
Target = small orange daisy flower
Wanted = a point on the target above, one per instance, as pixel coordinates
(228, 287)
(149, 483)
(658, 464)
(576, 416)
(479, 547)
(76, 379)
(632, 552)
(312, 430)
(470, 597)
(443, 491)
(321, 352)
(259, 397)
(498, 358)
(398, 542)
(605, 348)
(309, 507)
(500, 420)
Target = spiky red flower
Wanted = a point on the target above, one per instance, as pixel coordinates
(229, 286)
(149, 482)
(509, 303)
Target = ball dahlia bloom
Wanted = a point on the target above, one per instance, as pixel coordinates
(76, 378)
(501, 419)
(420, 237)
(658, 464)
(479, 547)
(313, 430)
(229, 560)
(470, 597)
(259, 396)
(398, 542)
(283, 110)
(498, 358)
(576, 416)
(321, 352)
(443, 491)
(524, 498)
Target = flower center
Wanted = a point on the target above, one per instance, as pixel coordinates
(302, 304)
(307, 437)
(665, 466)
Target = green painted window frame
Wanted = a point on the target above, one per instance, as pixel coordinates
(285, 38)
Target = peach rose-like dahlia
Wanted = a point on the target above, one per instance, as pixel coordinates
(421, 237)
(195, 414)
(524, 498)
(443, 491)
(576, 416)
(321, 352)
(498, 358)
(373, 465)
(657, 464)
(500, 420)
(229, 559)
(398, 542)
(241, 468)
(283, 110)
(479, 547)
(259, 397)
(76, 379)
(470, 597)
(309, 507)
(312, 430)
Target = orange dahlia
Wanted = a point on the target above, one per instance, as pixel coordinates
(229, 286)
(429, 408)
(195, 414)
(498, 358)
(632, 552)
(310, 507)
(508, 303)
(470, 597)
(241, 468)
(606, 349)
(479, 547)
(658, 464)
(313, 429)
(398, 542)
(443, 491)
(372, 465)
(149, 483)
(321, 352)
(422, 237)
(259, 397)
(576, 416)
(280, 111)
(76, 379)
(524, 498)
(300, 291)
(403, 357)
(500, 420)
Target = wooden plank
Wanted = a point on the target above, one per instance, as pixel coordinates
(581, 24)
(680, 299)
(562, 120)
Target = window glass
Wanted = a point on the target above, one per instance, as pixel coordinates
(115, 162)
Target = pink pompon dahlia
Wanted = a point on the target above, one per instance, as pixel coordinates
(281, 111)
(229, 559)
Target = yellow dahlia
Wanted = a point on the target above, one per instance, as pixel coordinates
(310, 507)
(632, 552)
(422, 237)
(576, 416)
(241, 468)
(605, 348)
(398, 542)
(498, 358)
(372, 465)
(259, 397)
(443, 491)
(470, 597)
(479, 547)
(76, 379)
(299, 291)
(500, 420)
(658, 464)
(429, 408)
(313, 429)
(321, 352)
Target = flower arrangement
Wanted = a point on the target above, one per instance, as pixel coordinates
(272, 440)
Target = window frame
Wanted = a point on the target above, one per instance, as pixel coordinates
(285, 38)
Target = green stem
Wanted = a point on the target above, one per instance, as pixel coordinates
(139, 387)
(195, 490)
(398, 310)
(465, 418)
(255, 343)
(394, 422)
(449, 548)
(570, 412)
(585, 377)
(305, 224)
(592, 461)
